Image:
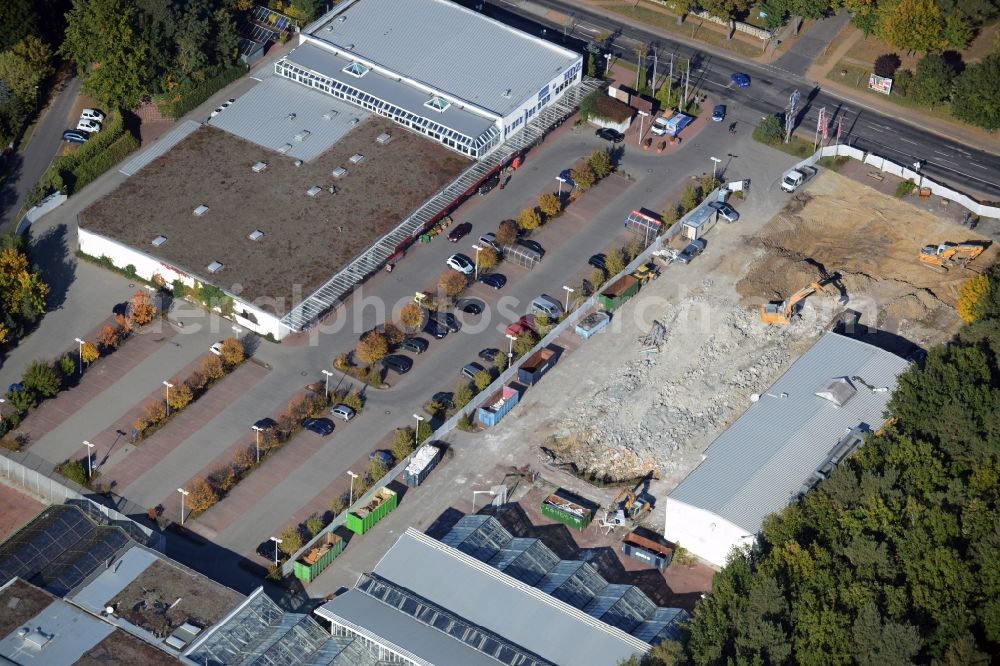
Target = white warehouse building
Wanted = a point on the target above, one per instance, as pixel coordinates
(452, 74)
(788, 440)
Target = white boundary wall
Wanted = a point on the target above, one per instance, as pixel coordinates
(893, 169)
(147, 266)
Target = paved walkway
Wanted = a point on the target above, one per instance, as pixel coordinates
(800, 56)
(97, 378)
(848, 37)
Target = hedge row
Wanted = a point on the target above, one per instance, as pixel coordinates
(187, 97)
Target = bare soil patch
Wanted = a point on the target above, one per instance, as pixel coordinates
(166, 596)
(840, 226)
(306, 238)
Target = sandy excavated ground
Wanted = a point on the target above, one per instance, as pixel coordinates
(615, 412)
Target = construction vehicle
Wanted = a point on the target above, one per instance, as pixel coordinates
(780, 314)
(940, 258)
(633, 502)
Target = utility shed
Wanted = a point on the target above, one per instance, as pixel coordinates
(788, 440)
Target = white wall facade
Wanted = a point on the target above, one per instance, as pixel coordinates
(147, 266)
(515, 121)
(702, 532)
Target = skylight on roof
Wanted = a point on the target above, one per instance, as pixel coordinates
(214, 267)
(439, 104)
(356, 69)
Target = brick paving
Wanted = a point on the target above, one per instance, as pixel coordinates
(96, 379)
(123, 469)
(18, 509)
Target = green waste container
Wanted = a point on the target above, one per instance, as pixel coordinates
(559, 507)
(362, 520)
(425, 238)
(310, 565)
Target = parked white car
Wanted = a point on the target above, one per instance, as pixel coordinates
(92, 114)
(88, 126)
(461, 263)
(217, 348)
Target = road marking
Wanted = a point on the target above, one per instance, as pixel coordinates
(979, 166)
(908, 141)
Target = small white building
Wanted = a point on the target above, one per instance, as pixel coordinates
(453, 74)
(788, 440)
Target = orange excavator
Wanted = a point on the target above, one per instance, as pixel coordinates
(940, 258)
(780, 314)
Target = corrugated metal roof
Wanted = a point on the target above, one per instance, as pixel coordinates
(390, 90)
(264, 116)
(495, 601)
(447, 47)
(757, 465)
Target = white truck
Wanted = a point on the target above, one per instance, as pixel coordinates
(794, 178)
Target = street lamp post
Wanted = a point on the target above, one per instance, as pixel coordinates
(257, 430)
(328, 375)
(510, 350)
(477, 249)
(184, 493)
(90, 452)
(715, 163)
(569, 290)
(416, 433)
(276, 541)
(2, 400)
(353, 476)
(169, 386)
(79, 357)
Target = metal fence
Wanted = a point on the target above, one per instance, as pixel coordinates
(29, 475)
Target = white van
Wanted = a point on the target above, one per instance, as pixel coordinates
(547, 306)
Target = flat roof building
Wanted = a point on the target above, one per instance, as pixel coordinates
(786, 442)
(461, 78)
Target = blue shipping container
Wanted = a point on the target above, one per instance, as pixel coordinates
(498, 406)
(592, 323)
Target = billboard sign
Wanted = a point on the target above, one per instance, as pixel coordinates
(880, 84)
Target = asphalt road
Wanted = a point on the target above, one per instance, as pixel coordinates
(37, 155)
(943, 159)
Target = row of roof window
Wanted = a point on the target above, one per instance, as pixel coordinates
(450, 137)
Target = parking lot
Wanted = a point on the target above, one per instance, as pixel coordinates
(311, 470)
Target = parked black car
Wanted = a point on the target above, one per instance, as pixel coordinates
(598, 261)
(398, 363)
(435, 329)
(322, 427)
(460, 232)
(469, 306)
(266, 423)
(495, 280)
(608, 134)
(489, 354)
(445, 398)
(451, 322)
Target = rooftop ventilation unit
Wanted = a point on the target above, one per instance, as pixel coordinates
(314, 190)
(329, 115)
(838, 391)
(200, 210)
(342, 18)
(355, 121)
(257, 234)
(159, 240)
(383, 138)
(302, 136)
(297, 163)
(260, 166)
(36, 639)
(285, 148)
(339, 172)
(506, 93)
(357, 158)
(214, 267)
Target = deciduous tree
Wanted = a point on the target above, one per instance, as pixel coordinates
(232, 353)
(89, 352)
(141, 308)
(933, 80)
(411, 316)
(507, 232)
(41, 379)
(452, 283)
(107, 337)
(549, 205)
(600, 164)
(291, 540)
(372, 347)
(529, 219)
(973, 298)
(180, 396)
(482, 379)
(976, 97)
(212, 368)
(911, 24)
(487, 258)
(201, 496)
(584, 177)
(614, 262)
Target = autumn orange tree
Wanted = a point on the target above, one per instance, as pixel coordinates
(550, 205)
(22, 290)
(507, 232)
(393, 333)
(180, 396)
(487, 258)
(372, 347)
(411, 316)
(201, 496)
(232, 353)
(108, 337)
(141, 308)
(88, 352)
(452, 283)
(212, 368)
